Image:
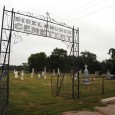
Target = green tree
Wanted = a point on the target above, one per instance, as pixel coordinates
(112, 60)
(103, 66)
(108, 65)
(58, 58)
(112, 52)
(90, 59)
(25, 66)
(37, 61)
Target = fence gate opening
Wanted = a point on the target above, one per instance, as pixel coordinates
(15, 22)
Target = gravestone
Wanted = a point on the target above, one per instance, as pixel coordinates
(80, 72)
(75, 76)
(42, 75)
(108, 75)
(16, 74)
(45, 72)
(58, 71)
(32, 70)
(86, 79)
(39, 76)
(32, 74)
(22, 75)
(65, 76)
(53, 72)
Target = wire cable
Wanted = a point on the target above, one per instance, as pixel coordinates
(84, 9)
(91, 13)
(76, 8)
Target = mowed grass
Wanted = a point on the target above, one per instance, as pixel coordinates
(33, 96)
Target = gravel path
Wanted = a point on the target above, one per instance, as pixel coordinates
(108, 110)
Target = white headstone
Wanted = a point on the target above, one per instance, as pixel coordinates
(58, 71)
(65, 76)
(39, 76)
(75, 76)
(45, 70)
(32, 74)
(32, 70)
(16, 74)
(22, 75)
(53, 72)
(80, 72)
(108, 74)
(86, 79)
(42, 74)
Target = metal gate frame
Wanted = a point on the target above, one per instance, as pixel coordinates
(5, 46)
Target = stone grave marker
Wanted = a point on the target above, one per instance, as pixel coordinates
(86, 79)
(53, 72)
(75, 76)
(45, 72)
(22, 75)
(32, 74)
(42, 75)
(58, 71)
(108, 75)
(39, 75)
(16, 74)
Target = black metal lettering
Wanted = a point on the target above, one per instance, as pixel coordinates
(51, 27)
(18, 26)
(56, 28)
(56, 35)
(42, 32)
(65, 31)
(17, 19)
(37, 31)
(34, 23)
(27, 28)
(34, 30)
(28, 22)
(22, 20)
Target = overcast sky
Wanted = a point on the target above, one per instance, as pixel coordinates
(95, 19)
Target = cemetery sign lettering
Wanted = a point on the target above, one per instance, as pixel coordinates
(39, 27)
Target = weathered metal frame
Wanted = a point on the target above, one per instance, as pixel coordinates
(4, 73)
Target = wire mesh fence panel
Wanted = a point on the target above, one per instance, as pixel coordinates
(109, 86)
(66, 86)
(97, 86)
(93, 88)
(61, 85)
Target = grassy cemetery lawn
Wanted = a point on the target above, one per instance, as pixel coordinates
(33, 96)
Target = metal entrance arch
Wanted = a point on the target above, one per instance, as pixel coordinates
(15, 22)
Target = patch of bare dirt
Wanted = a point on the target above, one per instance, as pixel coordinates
(108, 110)
(81, 113)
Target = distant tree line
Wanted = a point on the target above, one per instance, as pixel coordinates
(60, 59)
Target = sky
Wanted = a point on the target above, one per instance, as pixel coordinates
(95, 19)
